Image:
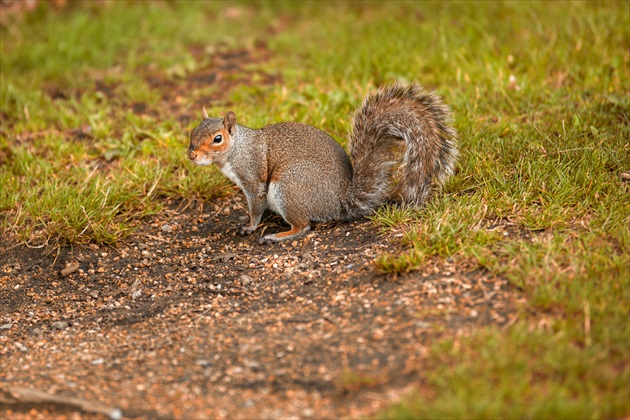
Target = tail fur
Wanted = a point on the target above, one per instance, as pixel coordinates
(392, 117)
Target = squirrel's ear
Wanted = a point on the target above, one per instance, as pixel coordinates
(204, 112)
(229, 122)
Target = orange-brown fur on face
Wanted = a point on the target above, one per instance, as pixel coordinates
(203, 150)
(208, 146)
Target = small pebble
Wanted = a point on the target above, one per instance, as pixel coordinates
(166, 228)
(224, 257)
(6, 326)
(20, 346)
(59, 325)
(115, 414)
(246, 280)
(98, 361)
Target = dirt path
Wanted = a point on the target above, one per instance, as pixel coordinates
(190, 320)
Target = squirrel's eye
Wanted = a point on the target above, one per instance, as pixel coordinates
(218, 138)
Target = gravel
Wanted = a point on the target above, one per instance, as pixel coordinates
(198, 322)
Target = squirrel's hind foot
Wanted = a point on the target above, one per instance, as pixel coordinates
(295, 232)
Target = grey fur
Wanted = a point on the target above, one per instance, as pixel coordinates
(304, 175)
(389, 115)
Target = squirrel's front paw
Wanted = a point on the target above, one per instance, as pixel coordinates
(247, 230)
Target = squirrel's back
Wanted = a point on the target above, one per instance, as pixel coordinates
(309, 167)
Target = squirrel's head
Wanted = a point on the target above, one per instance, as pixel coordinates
(211, 140)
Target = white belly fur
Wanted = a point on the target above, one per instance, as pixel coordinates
(272, 193)
(273, 198)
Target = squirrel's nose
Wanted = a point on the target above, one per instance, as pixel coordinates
(192, 155)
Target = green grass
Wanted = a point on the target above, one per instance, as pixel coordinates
(541, 97)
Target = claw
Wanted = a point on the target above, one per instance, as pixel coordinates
(247, 230)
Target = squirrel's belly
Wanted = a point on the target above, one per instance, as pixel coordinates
(274, 202)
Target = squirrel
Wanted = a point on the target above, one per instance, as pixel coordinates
(305, 176)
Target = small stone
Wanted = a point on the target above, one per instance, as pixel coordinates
(115, 414)
(166, 228)
(252, 364)
(6, 326)
(136, 294)
(98, 361)
(245, 280)
(35, 331)
(204, 363)
(59, 325)
(224, 257)
(20, 346)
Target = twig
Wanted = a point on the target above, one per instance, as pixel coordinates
(217, 212)
(72, 268)
(56, 257)
(511, 321)
(155, 183)
(134, 285)
(483, 289)
(156, 238)
(88, 220)
(557, 152)
(14, 395)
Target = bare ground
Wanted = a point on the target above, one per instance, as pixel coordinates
(200, 322)
(189, 320)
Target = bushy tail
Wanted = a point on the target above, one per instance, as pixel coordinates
(391, 118)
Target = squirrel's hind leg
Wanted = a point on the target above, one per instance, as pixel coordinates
(284, 200)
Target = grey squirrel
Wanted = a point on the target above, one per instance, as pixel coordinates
(304, 175)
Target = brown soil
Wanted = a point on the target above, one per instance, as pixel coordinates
(189, 320)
